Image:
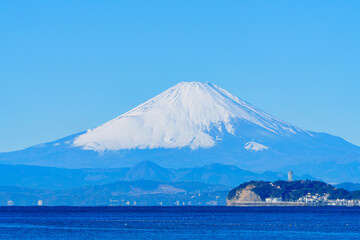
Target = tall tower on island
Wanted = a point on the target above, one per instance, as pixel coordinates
(290, 176)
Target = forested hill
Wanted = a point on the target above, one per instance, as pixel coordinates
(290, 191)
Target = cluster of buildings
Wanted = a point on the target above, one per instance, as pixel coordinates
(11, 203)
(313, 200)
(122, 202)
(273, 200)
(167, 203)
(318, 200)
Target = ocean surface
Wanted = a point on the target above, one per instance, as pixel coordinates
(179, 223)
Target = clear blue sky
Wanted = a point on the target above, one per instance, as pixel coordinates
(66, 66)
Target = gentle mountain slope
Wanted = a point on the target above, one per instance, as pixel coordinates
(148, 171)
(349, 186)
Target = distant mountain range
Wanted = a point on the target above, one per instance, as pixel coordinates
(144, 184)
(49, 178)
(185, 128)
(349, 186)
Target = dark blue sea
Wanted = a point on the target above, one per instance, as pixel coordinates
(179, 223)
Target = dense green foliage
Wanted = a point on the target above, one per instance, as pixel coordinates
(290, 191)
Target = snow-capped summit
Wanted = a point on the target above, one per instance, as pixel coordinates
(190, 114)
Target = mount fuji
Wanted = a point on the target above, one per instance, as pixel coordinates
(193, 124)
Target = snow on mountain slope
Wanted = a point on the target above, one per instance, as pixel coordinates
(182, 116)
(254, 146)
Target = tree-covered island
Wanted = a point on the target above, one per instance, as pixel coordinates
(287, 193)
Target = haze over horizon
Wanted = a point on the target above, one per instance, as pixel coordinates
(67, 70)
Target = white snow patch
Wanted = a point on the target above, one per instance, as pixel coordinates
(182, 116)
(255, 146)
